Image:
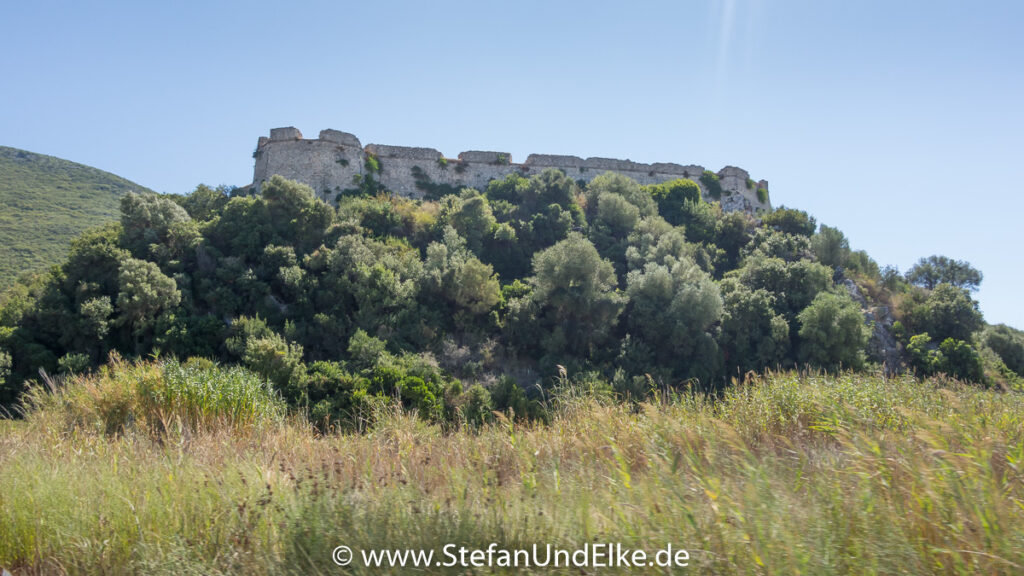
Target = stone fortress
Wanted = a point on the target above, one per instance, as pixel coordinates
(337, 161)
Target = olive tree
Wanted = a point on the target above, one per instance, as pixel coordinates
(832, 332)
(934, 270)
(574, 290)
(674, 310)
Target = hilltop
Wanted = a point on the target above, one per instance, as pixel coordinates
(47, 202)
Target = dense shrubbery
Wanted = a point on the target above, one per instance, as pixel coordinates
(476, 300)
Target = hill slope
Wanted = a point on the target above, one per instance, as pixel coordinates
(44, 203)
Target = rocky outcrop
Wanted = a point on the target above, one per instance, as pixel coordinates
(882, 346)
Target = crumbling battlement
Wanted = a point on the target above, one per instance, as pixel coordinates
(336, 161)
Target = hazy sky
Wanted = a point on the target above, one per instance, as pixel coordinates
(898, 122)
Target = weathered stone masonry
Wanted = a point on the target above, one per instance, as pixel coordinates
(330, 164)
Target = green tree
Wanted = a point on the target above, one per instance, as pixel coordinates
(149, 221)
(373, 285)
(674, 310)
(770, 243)
(143, 293)
(832, 332)
(961, 360)
(295, 215)
(335, 397)
(790, 221)
(925, 358)
(858, 261)
(364, 350)
(241, 229)
(830, 246)
(622, 186)
(699, 220)
(655, 240)
(946, 312)
(956, 358)
(466, 286)
(610, 227)
(753, 335)
(934, 270)
(672, 197)
(732, 233)
(533, 214)
(204, 202)
(1008, 344)
(279, 361)
(471, 216)
(5, 369)
(475, 405)
(95, 321)
(574, 288)
(794, 284)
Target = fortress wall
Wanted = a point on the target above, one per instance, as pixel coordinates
(403, 174)
(330, 163)
(325, 165)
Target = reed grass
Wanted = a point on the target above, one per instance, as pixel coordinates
(785, 474)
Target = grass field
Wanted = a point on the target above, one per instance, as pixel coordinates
(787, 474)
(45, 202)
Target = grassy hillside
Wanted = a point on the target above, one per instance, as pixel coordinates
(44, 203)
(785, 474)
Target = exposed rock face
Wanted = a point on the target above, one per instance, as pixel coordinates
(882, 346)
(332, 162)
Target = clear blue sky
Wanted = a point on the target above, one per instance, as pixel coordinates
(898, 122)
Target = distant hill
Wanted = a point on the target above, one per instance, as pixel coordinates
(44, 203)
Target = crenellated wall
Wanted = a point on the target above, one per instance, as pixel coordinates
(335, 160)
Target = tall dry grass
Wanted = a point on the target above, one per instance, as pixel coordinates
(787, 474)
(155, 398)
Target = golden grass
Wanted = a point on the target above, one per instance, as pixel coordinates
(787, 474)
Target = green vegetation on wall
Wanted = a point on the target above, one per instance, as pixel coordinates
(712, 184)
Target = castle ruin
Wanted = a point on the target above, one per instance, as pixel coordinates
(337, 161)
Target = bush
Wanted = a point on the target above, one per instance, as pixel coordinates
(712, 184)
(790, 221)
(830, 246)
(508, 398)
(474, 406)
(753, 335)
(946, 312)
(924, 357)
(961, 360)
(1008, 344)
(672, 197)
(278, 360)
(5, 368)
(832, 332)
(72, 363)
(953, 357)
(372, 163)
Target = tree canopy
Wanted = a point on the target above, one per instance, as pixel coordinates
(481, 296)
